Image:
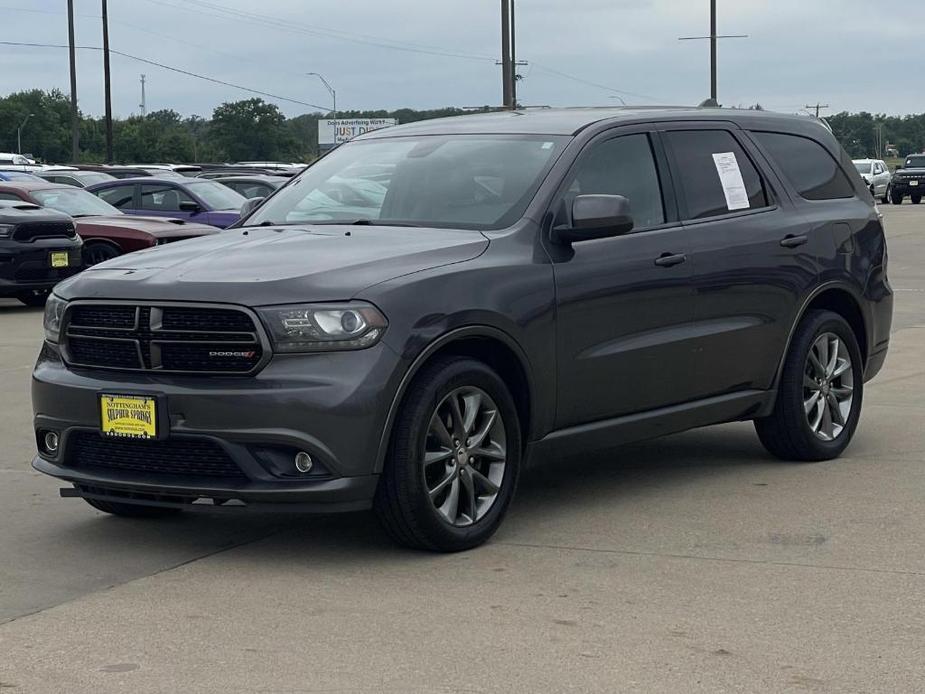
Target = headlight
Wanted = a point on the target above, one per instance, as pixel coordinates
(323, 328)
(6, 230)
(54, 313)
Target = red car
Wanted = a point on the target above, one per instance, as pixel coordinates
(106, 232)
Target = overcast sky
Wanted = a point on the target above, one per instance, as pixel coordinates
(421, 54)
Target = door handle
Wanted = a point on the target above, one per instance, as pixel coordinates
(670, 259)
(791, 241)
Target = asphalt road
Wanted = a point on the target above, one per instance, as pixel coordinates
(693, 563)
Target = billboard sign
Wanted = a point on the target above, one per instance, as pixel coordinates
(336, 132)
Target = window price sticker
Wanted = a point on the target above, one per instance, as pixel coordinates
(730, 177)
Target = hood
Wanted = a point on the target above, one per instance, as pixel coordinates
(159, 227)
(911, 171)
(258, 266)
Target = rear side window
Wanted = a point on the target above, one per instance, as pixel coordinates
(809, 167)
(715, 174)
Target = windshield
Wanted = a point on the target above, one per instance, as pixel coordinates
(863, 168)
(915, 162)
(92, 177)
(19, 176)
(75, 202)
(463, 181)
(216, 196)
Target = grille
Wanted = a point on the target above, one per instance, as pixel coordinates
(44, 274)
(30, 231)
(177, 456)
(162, 338)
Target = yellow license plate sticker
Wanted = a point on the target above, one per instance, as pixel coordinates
(59, 259)
(131, 416)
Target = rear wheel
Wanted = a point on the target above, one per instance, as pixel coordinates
(36, 297)
(821, 388)
(454, 458)
(132, 510)
(95, 253)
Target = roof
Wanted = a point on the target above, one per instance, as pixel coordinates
(570, 121)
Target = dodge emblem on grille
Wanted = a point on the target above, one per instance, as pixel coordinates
(242, 355)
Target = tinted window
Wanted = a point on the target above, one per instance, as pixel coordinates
(216, 196)
(808, 166)
(915, 162)
(699, 174)
(10, 196)
(119, 196)
(623, 166)
(162, 198)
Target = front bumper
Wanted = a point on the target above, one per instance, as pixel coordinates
(333, 406)
(903, 187)
(27, 266)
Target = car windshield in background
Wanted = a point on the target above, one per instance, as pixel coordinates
(462, 181)
(863, 168)
(75, 202)
(91, 178)
(915, 162)
(217, 196)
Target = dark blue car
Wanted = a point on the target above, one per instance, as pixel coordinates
(196, 200)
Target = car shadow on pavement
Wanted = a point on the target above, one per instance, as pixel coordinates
(561, 486)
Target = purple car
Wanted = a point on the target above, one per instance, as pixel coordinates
(196, 200)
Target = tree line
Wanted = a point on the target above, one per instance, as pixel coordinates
(252, 129)
(246, 130)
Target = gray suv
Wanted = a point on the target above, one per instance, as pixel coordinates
(429, 307)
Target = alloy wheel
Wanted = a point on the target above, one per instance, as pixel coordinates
(464, 456)
(828, 386)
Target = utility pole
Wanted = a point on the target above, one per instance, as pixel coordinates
(142, 105)
(507, 66)
(513, 56)
(75, 118)
(714, 38)
(19, 132)
(107, 83)
(818, 107)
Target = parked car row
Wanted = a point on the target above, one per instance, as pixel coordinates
(908, 180)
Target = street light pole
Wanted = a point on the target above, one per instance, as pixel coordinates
(19, 133)
(327, 86)
(75, 118)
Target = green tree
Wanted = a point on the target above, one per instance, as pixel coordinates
(251, 130)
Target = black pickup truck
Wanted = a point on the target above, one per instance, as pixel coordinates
(909, 180)
(38, 248)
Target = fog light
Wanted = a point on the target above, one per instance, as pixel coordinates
(51, 441)
(303, 462)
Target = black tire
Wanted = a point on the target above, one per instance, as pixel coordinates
(916, 199)
(35, 298)
(885, 200)
(132, 510)
(786, 433)
(402, 501)
(896, 198)
(94, 253)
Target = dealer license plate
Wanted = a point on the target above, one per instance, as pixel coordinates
(59, 259)
(913, 183)
(129, 416)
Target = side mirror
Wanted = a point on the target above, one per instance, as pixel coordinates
(596, 217)
(250, 205)
(190, 206)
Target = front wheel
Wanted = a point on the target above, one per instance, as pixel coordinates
(896, 198)
(94, 253)
(916, 199)
(454, 458)
(819, 397)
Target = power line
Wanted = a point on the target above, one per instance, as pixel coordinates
(168, 67)
(211, 10)
(581, 80)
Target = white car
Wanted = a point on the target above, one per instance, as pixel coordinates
(17, 162)
(876, 175)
